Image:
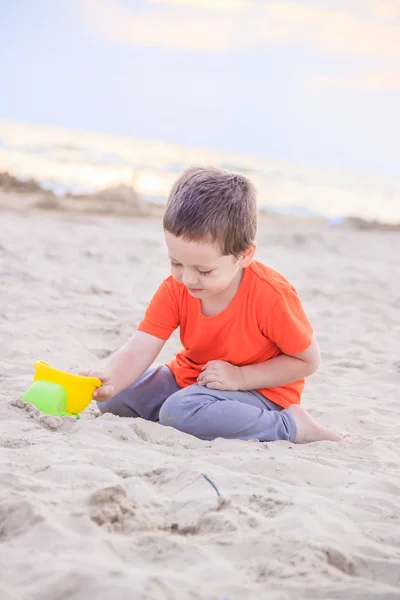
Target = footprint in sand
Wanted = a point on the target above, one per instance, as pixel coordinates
(111, 508)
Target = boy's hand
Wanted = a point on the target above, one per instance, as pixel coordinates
(220, 375)
(106, 390)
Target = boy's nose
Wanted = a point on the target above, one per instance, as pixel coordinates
(189, 278)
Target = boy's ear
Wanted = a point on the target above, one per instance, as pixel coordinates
(248, 255)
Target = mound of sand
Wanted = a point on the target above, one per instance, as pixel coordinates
(11, 184)
(21, 195)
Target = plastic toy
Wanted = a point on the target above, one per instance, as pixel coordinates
(59, 393)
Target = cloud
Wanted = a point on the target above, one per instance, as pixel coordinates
(370, 81)
(226, 5)
(177, 30)
(385, 8)
(186, 25)
(335, 32)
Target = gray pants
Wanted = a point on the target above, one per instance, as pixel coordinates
(202, 412)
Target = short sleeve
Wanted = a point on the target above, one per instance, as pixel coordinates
(287, 324)
(162, 314)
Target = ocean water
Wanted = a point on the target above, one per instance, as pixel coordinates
(79, 162)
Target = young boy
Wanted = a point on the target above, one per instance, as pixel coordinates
(247, 343)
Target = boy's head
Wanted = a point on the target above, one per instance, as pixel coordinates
(210, 226)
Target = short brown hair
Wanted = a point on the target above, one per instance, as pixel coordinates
(215, 205)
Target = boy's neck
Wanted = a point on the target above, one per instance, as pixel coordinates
(216, 304)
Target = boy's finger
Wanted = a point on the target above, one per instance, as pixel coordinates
(104, 389)
(209, 364)
(208, 378)
(104, 392)
(98, 374)
(215, 385)
(209, 373)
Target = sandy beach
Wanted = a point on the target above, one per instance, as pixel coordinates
(108, 507)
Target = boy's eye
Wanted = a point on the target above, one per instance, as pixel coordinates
(178, 266)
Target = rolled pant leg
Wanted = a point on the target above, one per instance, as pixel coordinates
(145, 397)
(208, 414)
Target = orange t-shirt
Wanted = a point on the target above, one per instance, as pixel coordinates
(263, 320)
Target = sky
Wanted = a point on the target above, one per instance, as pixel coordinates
(314, 82)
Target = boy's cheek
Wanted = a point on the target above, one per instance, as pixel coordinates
(176, 274)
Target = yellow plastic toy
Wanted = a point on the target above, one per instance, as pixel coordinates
(60, 393)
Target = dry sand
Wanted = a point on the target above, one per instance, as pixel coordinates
(114, 508)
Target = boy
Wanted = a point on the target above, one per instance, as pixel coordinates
(247, 343)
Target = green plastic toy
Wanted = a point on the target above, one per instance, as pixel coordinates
(50, 398)
(60, 393)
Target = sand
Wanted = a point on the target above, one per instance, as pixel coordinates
(108, 507)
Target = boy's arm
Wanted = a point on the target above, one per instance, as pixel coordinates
(137, 355)
(275, 372)
(127, 364)
(133, 359)
(281, 370)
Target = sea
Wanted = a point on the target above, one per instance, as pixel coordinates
(81, 162)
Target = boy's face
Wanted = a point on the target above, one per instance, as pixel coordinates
(201, 267)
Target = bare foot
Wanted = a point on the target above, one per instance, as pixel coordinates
(309, 430)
